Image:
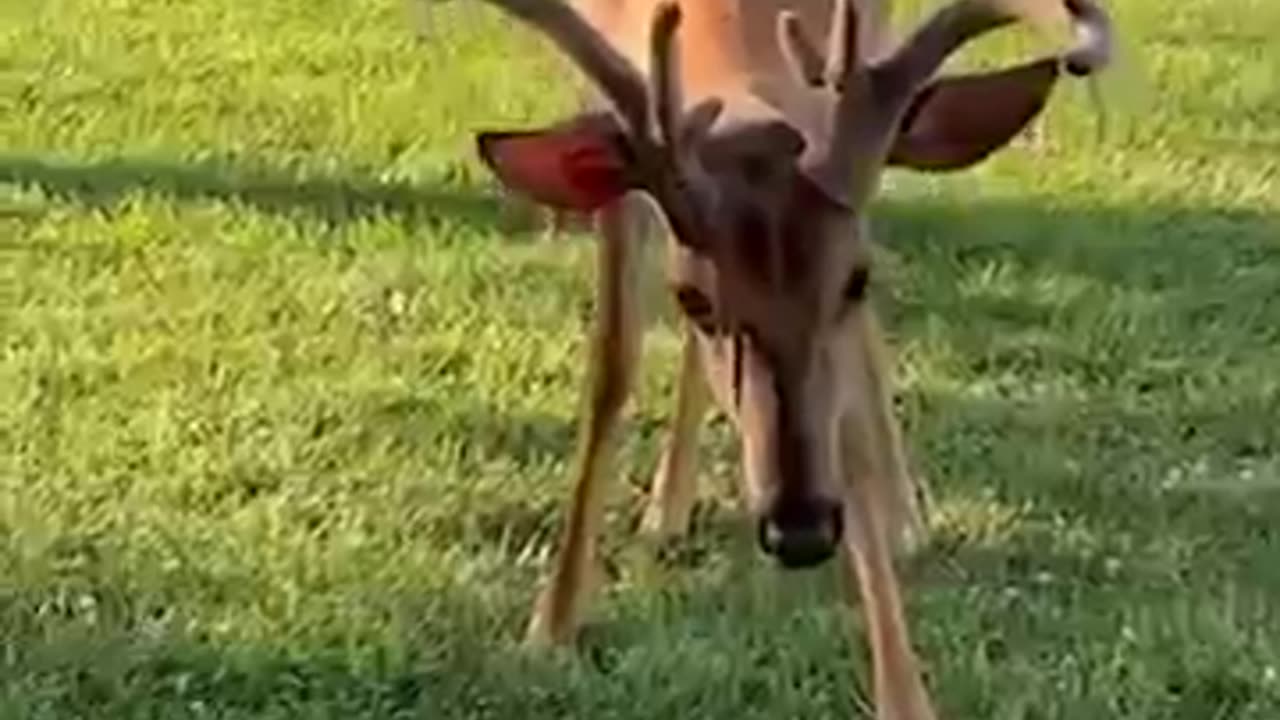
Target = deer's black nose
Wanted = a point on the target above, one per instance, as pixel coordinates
(801, 538)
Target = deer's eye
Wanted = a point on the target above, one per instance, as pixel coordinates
(855, 288)
(697, 307)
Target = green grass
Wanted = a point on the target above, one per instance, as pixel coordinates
(285, 412)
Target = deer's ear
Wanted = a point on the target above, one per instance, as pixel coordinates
(956, 122)
(577, 165)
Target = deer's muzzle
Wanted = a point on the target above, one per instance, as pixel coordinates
(802, 536)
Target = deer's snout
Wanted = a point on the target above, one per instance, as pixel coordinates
(801, 536)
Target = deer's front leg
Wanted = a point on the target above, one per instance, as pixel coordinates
(867, 550)
(899, 689)
(674, 486)
(905, 494)
(614, 350)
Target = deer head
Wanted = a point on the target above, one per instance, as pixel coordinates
(771, 257)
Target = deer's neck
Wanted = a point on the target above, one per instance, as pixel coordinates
(729, 48)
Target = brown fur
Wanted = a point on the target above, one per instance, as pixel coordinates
(769, 255)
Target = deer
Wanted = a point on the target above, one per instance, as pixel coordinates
(756, 150)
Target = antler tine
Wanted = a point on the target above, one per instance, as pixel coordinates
(668, 100)
(954, 25)
(875, 96)
(698, 121)
(842, 44)
(911, 65)
(842, 168)
(617, 78)
(641, 104)
(804, 61)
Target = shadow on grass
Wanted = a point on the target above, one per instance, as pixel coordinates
(1101, 241)
(333, 199)
(1159, 252)
(135, 662)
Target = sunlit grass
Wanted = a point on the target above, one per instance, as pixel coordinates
(287, 408)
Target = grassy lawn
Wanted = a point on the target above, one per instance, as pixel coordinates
(285, 408)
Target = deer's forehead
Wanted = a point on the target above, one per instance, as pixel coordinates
(791, 244)
(775, 260)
